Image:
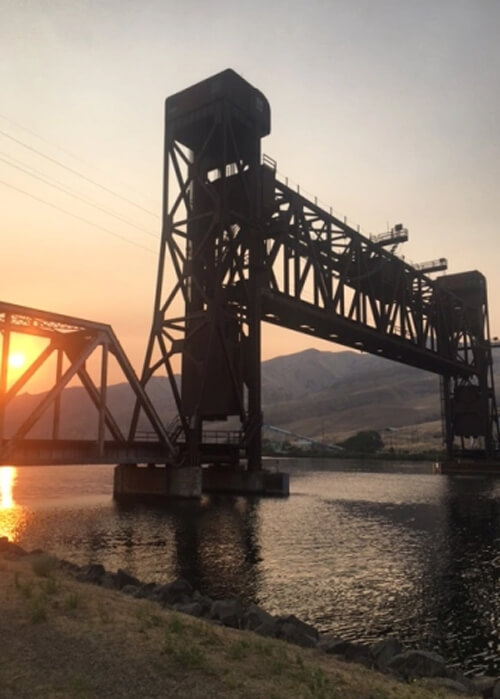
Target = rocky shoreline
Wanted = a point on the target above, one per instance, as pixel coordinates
(386, 656)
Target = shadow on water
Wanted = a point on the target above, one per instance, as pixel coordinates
(212, 543)
(466, 584)
(455, 602)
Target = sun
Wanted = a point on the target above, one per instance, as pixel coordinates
(17, 360)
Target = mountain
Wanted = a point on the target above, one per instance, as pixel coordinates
(323, 395)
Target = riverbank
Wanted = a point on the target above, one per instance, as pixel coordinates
(65, 638)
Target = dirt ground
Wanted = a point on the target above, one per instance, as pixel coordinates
(61, 638)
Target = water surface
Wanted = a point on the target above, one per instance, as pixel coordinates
(361, 549)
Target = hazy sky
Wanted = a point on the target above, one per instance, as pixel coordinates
(387, 110)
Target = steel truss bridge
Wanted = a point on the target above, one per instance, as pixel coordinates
(239, 247)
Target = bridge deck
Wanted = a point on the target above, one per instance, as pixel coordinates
(48, 452)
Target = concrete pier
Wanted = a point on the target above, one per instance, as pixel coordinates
(468, 467)
(155, 482)
(160, 482)
(245, 482)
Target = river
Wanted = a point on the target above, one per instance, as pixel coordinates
(361, 549)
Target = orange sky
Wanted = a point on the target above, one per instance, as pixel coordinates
(385, 110)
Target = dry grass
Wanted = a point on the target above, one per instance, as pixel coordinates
(72, 640)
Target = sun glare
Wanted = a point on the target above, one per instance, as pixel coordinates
(17, 360)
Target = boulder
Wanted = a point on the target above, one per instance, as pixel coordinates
(123, 578)
(177, 592)
(10, 550)
(330, 644)
(91, 574)
(268, 628)
(69, 567)
(293, 630)
(447, 683)
(191, 608)
(384, 651)
(203, 600)
(359, 653)
(254, 616)
(147, 590)
(483, 685)
(108, 581)
(129, 589)
(228, 611)
(418, 663)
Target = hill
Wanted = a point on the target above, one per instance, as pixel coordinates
(323, 395)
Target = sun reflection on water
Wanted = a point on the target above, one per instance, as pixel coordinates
(10, 512)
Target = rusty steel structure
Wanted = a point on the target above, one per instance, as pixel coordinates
(73, 342)
(240, 247)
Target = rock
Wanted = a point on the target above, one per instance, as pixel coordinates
(447, 683)
(108, 581)
(483, 685)
(69, 567)
(268, 628)
(191, 608)
(129, 589)
(496, 690)
(359, 653)
(418, 663)
(177, 592)
(330, 644)
(228, 611)
(147, 590)
(122, 578)
(255, 616)
(205, 602)
(384, 651)
(91, 574)
(351, 652)
(293, 630)
(10, 550)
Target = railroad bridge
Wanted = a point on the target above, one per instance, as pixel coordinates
(239, 247)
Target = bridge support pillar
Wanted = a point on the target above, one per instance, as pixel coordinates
(215, 480)
(155, 482)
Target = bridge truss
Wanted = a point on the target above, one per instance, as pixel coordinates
(244, 248)
(73, 343)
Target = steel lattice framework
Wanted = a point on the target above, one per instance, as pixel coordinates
(73, 341)
(244, 247)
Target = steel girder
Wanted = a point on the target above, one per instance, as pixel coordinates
(74, 341)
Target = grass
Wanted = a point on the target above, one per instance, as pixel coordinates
(37, 610)
(72, 601)
(173, 654)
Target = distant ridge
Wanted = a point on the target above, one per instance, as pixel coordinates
(324, 395)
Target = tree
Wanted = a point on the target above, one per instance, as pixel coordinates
(365, 442)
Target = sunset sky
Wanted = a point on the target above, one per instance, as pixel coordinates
(386, 110)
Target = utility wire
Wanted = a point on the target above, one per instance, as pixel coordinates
(75, 172)
(71, 193)
(80, 218)
(17, 125)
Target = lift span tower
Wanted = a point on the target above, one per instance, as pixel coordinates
(240, 247)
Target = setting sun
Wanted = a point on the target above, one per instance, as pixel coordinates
(17, 360)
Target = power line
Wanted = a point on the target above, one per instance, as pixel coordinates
(39, 136)
(80, 218)
(78, 174)
(71, 193)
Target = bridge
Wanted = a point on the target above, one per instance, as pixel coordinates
(239, 247)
